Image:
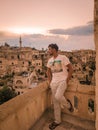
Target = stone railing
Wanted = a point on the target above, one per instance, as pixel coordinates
(83, 100)
(22, 112)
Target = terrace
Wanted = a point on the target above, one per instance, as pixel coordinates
(34, 110)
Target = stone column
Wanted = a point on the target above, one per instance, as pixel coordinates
(96, 45)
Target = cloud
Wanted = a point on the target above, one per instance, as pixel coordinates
(67, 39)
(83, 30)
(90, 22)
(77, 43)
(41, 41)
(7, 35)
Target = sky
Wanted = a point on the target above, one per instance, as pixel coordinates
(68, 23)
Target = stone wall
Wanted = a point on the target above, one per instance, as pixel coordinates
(96, 45)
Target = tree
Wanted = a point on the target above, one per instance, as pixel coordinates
(93, 66)
(7, 45)
(6, 94)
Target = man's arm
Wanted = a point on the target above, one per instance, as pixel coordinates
(49, 74)
(70, 71)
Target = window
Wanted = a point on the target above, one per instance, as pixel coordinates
(12, 57)
(91, 105)
(75, 102)
(18, 56)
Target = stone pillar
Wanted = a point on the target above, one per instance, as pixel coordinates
(96, 45)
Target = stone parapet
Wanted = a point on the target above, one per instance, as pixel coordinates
(22, 112)
(25, 110)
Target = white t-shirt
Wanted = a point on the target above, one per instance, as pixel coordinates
(58, 68)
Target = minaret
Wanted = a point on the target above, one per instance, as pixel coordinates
(20, 42)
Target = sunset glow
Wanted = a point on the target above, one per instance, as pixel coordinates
(65, 22)
(27, 30)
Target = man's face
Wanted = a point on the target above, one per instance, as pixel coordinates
(50, 50)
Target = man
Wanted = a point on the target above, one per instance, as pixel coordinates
(59, 72)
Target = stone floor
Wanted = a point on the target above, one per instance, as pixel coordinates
(63, 126)
(77, 124)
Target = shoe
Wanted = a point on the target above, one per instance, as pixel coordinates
(53, 125)
(71, 109)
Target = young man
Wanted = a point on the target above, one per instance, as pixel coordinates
(59, 71)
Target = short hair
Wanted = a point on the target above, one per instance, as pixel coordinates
(55, 46)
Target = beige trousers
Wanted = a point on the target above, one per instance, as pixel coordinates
(59, 100)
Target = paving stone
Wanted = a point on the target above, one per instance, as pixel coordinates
(63, 126)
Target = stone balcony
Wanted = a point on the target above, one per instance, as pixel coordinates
(34, 110)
